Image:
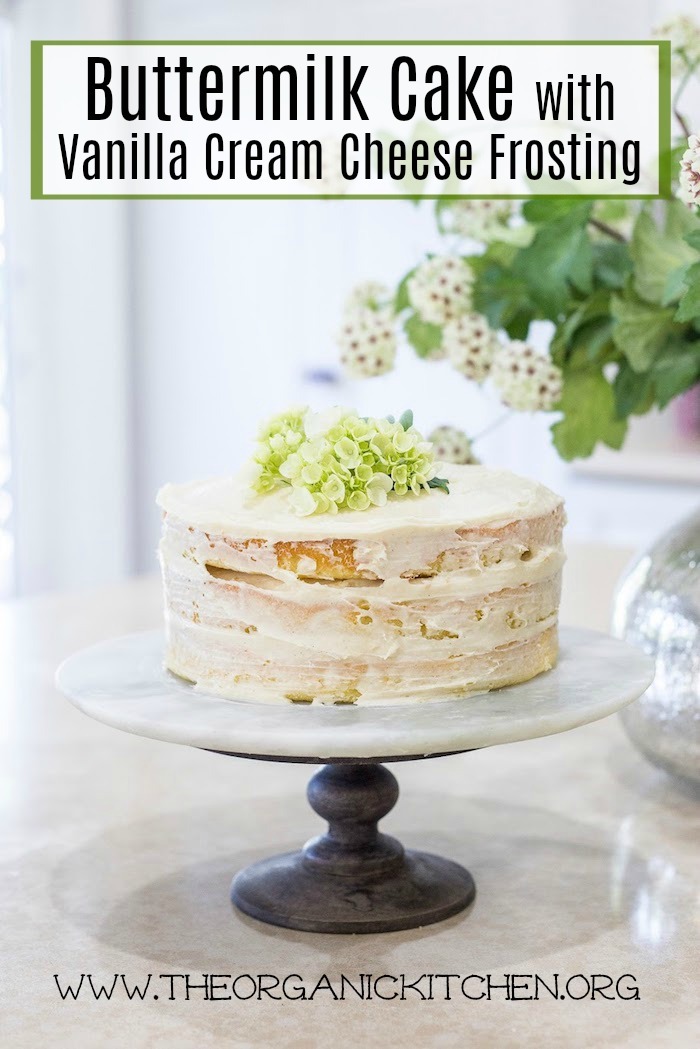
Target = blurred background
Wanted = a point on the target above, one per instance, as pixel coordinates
(142, 341)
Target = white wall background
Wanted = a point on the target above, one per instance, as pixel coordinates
(68, 336)
(151, 336)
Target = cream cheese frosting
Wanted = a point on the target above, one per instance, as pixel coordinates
(478, 496)
(428, 596)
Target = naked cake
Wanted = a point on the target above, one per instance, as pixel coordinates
(426, 596)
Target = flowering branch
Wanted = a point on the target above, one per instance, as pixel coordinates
(682, 121)
(690, 70)
(624, 307)
(609, 231)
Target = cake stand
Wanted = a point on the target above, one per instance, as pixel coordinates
(352, 878)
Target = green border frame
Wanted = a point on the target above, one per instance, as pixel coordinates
(37, 120)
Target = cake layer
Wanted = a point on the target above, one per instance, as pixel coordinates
(220, 669)
(349, 622)
(391, 557)
(487, 515)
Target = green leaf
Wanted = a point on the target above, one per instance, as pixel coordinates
(689, 306)
(681, 221)
(588, 325)
(500, 251)
(503, 299)
(640, 330)
(516, 236)
(423, 336)
(612, 263)
(588, 405)
(612, 211)
(406, 420)
(676, 371)
(544, 209)
(593, 341)
(633, 391)
(693, 239)
(559, 257)
(401, 299)
(674, 155)
(656, 254)
(675, 284)
(439, 482)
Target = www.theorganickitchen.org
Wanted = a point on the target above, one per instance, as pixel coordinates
(427, 987)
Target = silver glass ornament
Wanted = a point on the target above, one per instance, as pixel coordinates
(657, 608)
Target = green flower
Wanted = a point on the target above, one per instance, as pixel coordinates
(339, 461)
(280, 436)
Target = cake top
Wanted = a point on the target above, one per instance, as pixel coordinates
(478, 496)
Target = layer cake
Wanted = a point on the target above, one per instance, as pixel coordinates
(428, 597)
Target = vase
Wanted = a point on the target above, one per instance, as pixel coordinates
(657, 608)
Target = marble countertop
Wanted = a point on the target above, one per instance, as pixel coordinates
(117, 853)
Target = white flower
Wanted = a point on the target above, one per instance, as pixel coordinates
(470, 344)
(440, 289)
(367, 342)
(378, 489)
(526, 380)
(684, 34)
(370, 295)
(302, 502)
(451, 445)
(317, 423)
(689, 177)
(478, 219)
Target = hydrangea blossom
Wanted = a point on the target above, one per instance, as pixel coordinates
(441, 288)
(452, 446)
(526, 380)
(689, 191)
(478, 219)
(470, 345)
(278, 438)
(684, 34)
(369, 295)
(367, 341)
(336, 461)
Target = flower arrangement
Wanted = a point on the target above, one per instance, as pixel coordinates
(618, 281)
(336, 460)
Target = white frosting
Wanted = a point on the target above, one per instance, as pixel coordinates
(478, 496)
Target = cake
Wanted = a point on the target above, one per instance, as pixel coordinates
(429, 596)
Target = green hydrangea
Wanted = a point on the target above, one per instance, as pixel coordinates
(278, 438)
(337, 460)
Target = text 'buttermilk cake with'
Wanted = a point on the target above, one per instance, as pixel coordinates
(400, 591)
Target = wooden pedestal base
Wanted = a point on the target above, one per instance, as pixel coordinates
(353, 878)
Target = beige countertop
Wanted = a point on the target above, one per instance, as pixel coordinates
(117, 853)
